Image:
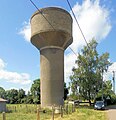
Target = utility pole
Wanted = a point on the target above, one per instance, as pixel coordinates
(102, 84)
(113, 78)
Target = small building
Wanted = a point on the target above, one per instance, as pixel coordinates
(2, 105)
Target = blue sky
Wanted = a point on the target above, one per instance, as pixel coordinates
(19, 59)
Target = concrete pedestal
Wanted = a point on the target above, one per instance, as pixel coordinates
(52, 75)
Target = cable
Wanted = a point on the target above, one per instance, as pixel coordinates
(42, 14)
(77, 22)
(48, 22)
(73, 51)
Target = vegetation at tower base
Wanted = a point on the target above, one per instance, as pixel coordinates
(19, 96)
(66, 92)
(86, 80)
(35, 91)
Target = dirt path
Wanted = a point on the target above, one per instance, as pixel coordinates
(111, 112)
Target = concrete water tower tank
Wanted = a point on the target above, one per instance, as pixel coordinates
(51, 40)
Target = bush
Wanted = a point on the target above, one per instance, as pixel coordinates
(113, 99)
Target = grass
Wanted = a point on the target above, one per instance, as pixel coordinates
(85, 114)
(24, 112)
(28, 112)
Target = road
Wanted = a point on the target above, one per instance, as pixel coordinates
(111, 112)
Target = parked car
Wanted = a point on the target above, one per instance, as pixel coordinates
(99, 105)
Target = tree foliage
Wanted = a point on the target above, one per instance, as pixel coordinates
(12, 96)
(35, 91)
(65, 91)
(19, 96)
(2, 92)
(86, 79)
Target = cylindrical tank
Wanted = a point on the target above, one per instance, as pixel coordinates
(51, 33)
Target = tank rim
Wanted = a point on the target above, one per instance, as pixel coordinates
(50, 8)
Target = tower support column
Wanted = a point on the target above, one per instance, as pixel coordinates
(52, 76)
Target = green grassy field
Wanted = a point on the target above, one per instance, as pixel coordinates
(29, 112)
(24, 112)
(85, 114)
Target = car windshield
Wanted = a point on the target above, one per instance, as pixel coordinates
(99, 103)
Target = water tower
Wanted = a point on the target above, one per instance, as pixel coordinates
(51, 37)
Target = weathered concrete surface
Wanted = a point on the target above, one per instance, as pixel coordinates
(43, 34)
(52, 76)
(51, 41)
(111, 112)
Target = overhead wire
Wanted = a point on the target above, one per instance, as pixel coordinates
(42, 14)
(49, 22)
(77, 22)
(73, 51)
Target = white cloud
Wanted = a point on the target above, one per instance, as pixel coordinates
(112, 67)
(109, 74)
(69, 63)
(26, 31)
(13, 77)
(95, 23)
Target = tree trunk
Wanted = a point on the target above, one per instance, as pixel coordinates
(89, 102)
(89, 98)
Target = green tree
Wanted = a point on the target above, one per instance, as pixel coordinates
(12, 96)
(21, 96)
(2, 92)
(86, 79)
(107, 88)
(35, 91)
(29, 98)
(108, 94)
(65, 91)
